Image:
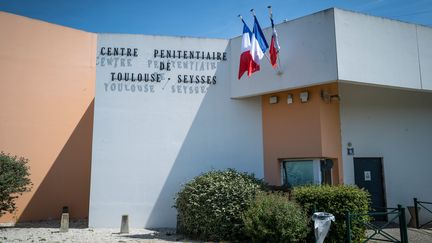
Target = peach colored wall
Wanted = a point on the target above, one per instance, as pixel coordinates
(331, 130)
(301, 130)
(47, 75)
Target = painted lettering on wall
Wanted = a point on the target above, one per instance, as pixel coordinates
(196, 67)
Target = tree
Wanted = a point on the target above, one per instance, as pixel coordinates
(14, 181)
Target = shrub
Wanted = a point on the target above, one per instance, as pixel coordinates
(210, 206)
(336, 200)
(273, 218)
(14, 180)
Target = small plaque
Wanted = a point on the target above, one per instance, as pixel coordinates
(367, 176)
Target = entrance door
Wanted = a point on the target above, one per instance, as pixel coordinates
(368, 174)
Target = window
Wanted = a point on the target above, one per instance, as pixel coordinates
(306, 172)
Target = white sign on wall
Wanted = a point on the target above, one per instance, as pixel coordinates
(367, 176)
(163, 115)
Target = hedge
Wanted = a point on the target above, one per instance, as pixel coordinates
(14, 181)
(335, 200)
(210, 207)
(273, 218)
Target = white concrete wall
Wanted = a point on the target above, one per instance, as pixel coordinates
(395, 125)
(381, 51)
(307, 57)
(424, 35)
(146, 144)
(336, 44)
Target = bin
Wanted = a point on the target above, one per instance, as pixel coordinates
(322, 222)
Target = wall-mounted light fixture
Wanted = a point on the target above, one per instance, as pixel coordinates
(350, 149)
(327, 97)
(273, 100)
(290, 99)
(304, 96)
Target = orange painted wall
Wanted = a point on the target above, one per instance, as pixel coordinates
(47, 76)
(301, 130)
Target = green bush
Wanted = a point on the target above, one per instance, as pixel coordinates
(336, 200)
(273, 218)
(14, 180)
(211, 205)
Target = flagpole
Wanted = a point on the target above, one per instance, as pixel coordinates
(271, 18)
(270, 10)
(268, 58)
(253, 12)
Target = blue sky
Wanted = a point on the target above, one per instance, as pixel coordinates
(199, 18)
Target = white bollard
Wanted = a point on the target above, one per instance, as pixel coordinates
(64, 223)
(124, 228)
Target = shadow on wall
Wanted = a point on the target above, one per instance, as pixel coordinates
(67, 183)
(225, 133)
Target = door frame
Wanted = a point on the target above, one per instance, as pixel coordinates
(382, 175)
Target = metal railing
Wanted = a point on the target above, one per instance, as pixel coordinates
(378, 230)
(417, 205)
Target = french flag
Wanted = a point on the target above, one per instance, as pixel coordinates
(258, 43)
(274, 46)
(246, 61)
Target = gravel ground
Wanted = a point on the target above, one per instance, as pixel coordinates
(48, 231)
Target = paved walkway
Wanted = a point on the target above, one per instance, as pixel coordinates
(414, 235)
